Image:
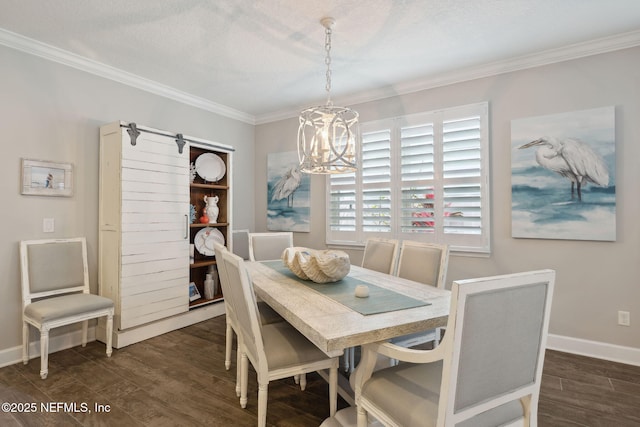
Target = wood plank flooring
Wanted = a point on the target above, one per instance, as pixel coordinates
(178, 379)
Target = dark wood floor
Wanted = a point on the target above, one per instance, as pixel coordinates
(178, 379)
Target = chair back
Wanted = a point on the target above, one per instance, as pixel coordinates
(269, 246)
(240, 243)
(499, 338)
(52, 267)
(244, 305)
(423, 262)
(380, 255)
(224, 279)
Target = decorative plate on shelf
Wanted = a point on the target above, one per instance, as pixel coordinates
(205, 239)
(210, 167)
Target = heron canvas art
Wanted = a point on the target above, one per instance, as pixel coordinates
(563, 176)
(288, 195)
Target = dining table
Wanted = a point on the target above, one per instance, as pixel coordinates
(334, 318)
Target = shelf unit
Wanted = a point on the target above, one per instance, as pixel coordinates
(144, 232)
(198, 189)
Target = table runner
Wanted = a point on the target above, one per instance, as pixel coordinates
(380, 300)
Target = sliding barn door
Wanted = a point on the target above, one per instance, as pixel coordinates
(154, 272)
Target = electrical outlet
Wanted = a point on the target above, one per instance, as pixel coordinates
(624, 318)
(48, 225)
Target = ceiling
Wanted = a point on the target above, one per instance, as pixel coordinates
(264, 59)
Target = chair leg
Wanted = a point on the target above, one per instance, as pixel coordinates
(303, 381)
(229, 344)
(85, 331)
(238, 371)
(262, 404)
(44, 353)
(244, 379)
(109, 333)
(352, 359)
(25, 342)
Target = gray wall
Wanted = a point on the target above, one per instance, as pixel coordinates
(594, 279)
(52, 112)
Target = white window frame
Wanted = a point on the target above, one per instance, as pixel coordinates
(460, 243)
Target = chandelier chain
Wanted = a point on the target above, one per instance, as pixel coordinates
(327, 61)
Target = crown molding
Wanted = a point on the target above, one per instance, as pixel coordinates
(570, 52)
(61, 56)
(551, 56)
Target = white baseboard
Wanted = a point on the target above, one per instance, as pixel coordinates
(595, 349)
(598, 350)
(11, 356)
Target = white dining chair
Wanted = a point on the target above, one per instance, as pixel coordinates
(425, 263)
(269, 246)
(240, 240)
(486, 371)
(266, 315)
(380, 255)
(276, 350)
(55, 292)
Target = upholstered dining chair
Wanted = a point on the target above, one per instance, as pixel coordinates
(276, 350)
(486, 371)
(55, 292)
(269, 246)
(380, 255)
(425, 263)
(266, 315)
(240, 240)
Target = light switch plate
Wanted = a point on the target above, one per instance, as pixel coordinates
(48, 225)
(624, 318)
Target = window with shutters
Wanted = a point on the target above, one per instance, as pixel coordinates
(421, 177)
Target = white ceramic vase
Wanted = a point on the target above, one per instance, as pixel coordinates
(211, 208)
(209, 287)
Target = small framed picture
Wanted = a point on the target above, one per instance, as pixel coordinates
(42, 178)
(194, 294)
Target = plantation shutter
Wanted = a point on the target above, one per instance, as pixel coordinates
(462, 176)
(421, 177)
(417, 169)
(341, 218)
(376, 182)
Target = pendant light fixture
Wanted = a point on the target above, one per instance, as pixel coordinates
(328, 136)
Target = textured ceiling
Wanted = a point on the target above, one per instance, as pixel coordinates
(262, 57)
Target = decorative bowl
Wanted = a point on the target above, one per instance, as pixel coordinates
(319, 266)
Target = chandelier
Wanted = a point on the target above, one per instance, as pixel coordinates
(328, 135)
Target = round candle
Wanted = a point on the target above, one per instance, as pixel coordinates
(362, 291)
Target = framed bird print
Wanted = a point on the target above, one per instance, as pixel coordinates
(563, 180)
(288, 194)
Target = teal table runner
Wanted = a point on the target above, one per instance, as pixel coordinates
(380, 300)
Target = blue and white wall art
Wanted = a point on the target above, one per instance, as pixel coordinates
(563, 176)
(288, 194)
